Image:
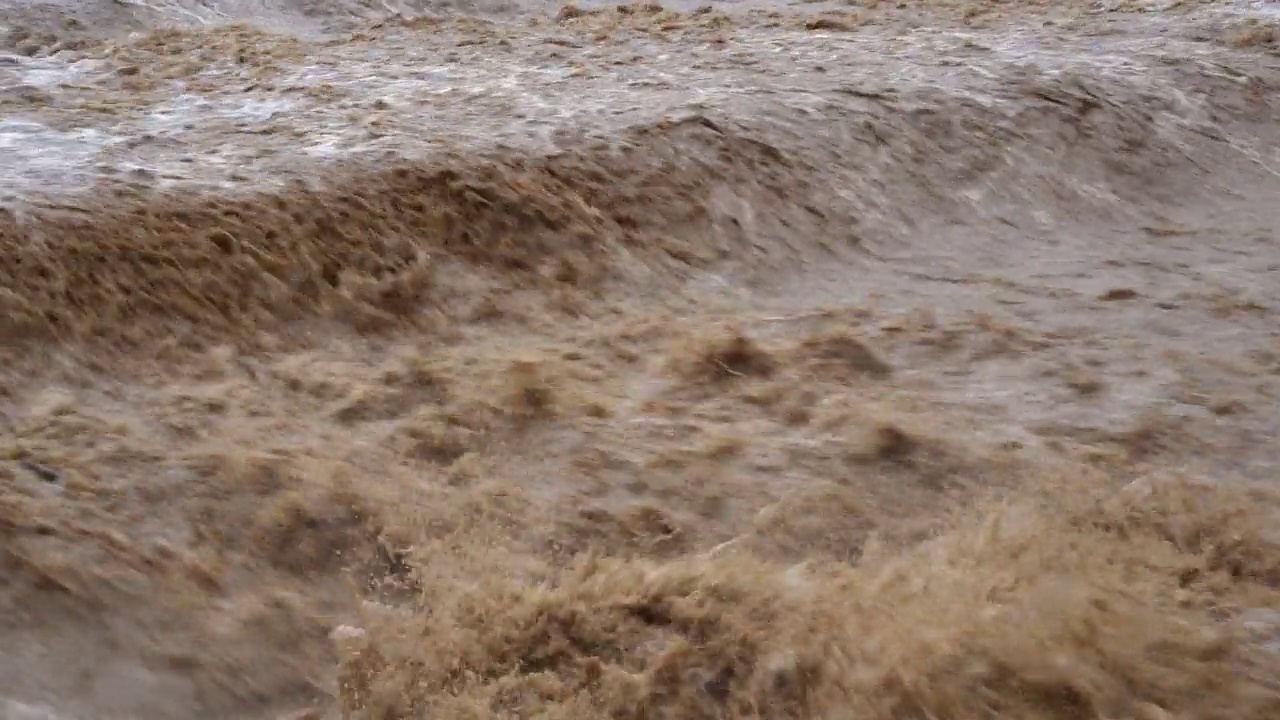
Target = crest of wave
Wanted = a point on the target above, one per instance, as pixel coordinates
(1075, 604)
(285, 15)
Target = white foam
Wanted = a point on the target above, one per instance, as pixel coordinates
(45, 155)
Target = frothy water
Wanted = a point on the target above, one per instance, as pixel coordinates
(38, 154)
(408, 94)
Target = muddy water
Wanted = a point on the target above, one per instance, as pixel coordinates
(331, 321)
(144, 110)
